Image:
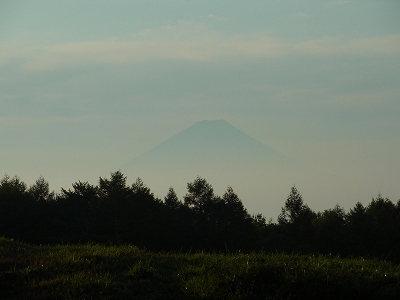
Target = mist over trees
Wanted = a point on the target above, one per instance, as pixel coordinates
(113, 212)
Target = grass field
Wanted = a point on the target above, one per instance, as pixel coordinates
(126, 272)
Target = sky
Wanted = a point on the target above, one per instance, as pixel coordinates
(86, 86)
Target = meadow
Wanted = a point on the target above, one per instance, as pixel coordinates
(95, 271)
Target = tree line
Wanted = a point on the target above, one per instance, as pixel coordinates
(113, 212)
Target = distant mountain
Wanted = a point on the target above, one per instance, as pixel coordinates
(223, 155)
(208, 144)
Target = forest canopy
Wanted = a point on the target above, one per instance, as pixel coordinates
(114, 212)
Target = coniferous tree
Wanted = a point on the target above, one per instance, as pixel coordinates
(330, 229)
(114, 197)
(234, 205)
(385, 227)
(14, 207)
(296, 220)
(294, 210)
(80, 212)
(357, 231)
(171, 200)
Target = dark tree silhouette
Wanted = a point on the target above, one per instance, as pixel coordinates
(21, 217)
(199, 194)
(14, 207)
(114, 212)
(40, 190)
(296, 220)
(171, 200)
(80, 208)
(12, 185)
(114, 197)
(234, 205)
(114, 188)
(385, 229)
(329, 230)
(294, 210)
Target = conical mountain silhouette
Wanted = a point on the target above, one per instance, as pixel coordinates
(208, 144)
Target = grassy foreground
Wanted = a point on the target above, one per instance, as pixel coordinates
(126, 272)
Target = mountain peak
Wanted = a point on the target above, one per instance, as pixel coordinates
(212, 143)
(204, 122)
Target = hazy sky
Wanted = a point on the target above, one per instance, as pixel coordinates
(87, 85)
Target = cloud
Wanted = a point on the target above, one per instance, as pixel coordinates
(209, 16)
(338, 45)
(301, 15)
(213, 17)
(183, 41)
(339, 2)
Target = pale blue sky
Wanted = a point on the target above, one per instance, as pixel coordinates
(88, 85)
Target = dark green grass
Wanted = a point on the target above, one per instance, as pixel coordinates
(126, 272)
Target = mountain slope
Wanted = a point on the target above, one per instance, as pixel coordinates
(216, 144)
(223, 155)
